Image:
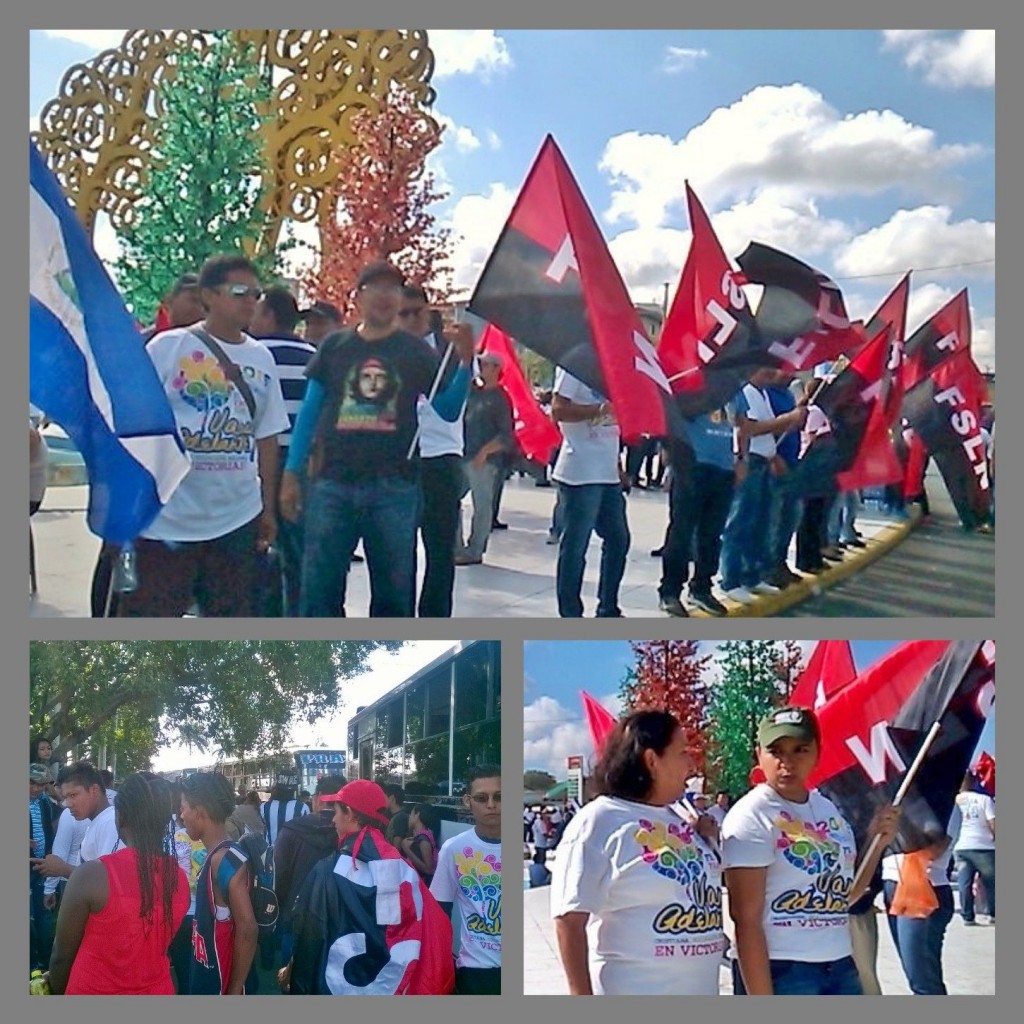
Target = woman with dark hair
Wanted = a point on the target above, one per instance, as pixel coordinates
(120, 912)
(790, 862)
(636, 890)
(421, 848)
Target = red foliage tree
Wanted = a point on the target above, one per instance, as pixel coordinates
(381, 199)
(669, 676)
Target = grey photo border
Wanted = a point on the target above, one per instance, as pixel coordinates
(18, 627)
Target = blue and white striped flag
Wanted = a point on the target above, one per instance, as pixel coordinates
(89, 371)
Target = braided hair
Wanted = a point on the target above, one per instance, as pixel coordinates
(143, 804)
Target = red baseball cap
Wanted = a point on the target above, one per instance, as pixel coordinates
(363, 796)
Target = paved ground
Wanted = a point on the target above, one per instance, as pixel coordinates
(968, 956)
(517, 580)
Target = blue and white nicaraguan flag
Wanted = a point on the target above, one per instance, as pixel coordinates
(89, 371)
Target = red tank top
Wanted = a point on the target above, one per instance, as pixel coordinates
(116, 956)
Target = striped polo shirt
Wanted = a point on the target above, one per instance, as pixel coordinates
(291, 355)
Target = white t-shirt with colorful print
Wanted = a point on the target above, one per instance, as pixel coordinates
(221, 491)
(653, 889)
(810, 853)
(469, 875)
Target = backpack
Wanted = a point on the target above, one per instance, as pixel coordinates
(265, 906)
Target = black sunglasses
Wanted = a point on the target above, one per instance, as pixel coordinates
(242, 291)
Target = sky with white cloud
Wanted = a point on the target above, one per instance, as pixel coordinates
(864, 153)
(556, 671)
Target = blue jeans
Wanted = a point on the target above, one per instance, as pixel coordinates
(383, 512)
(786, 510)
(842, 517)
(746, 555)
(968, 864)
(41, 924)
(290, 542)
(919, 942)
(586, 509)
(798, 978)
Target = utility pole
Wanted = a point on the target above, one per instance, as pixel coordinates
(664, 300)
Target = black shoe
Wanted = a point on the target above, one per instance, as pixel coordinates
(358, 558)
(657, 552)
(812, 570)
(787, 573)
(856, 543)
(707, 602)
(779, 579)
(499, 526)
(673, 606)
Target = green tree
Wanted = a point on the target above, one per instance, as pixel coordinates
(754, 680)
(534, 778)
(238, 695)
(206, 177)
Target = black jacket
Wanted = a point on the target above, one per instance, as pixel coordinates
(301, 843)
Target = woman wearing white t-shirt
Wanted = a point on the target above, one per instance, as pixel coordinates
(975, 848)
(790, 859)
(636, 891)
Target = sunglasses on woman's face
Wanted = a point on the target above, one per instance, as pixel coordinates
(242, 291)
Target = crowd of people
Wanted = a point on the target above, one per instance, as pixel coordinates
(305, 444)
(641, 872)
(160, 888)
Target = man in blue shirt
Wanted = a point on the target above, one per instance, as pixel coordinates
(786, 507)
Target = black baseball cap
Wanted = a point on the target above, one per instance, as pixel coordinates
(376, 271)
(324, 309)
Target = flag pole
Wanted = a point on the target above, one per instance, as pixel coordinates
(898, 799)
(445, 360)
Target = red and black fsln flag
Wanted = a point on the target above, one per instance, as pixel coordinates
(873, 729)
(709, 343)
(802, 314)
(942, 336)
(944, 410)
(551, 284)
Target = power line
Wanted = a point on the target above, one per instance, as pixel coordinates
(915, 270)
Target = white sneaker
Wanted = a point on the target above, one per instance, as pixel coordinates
(764, 587)
(740, 595)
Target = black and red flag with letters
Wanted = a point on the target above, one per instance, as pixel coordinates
(551, 283)
(892, 312)
(709, 342)
(872, 730)
(801, 314)
(944, 410)
(942, 336)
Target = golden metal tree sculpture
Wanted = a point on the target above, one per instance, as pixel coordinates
(97, 132)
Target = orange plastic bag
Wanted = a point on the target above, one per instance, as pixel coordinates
(914, 895)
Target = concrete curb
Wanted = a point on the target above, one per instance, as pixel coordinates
(767, 605)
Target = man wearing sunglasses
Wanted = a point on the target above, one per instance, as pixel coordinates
(469, 873)
(224, 390)
(365, 387)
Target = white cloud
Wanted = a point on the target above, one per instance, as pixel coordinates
(493, 139)
(476, 221)
(923, 237)
(950, 60)
(468, 52)
(681, 58)
(552, 732)
(775, 137)
(648, 257)
(99, 39)
(462, 138)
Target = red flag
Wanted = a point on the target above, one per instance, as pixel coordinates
(946, 334)
(536, 435)
(163, 319)
(876, 461)
(600, 721)
(872, 731)
(985, 769)
(892, 312)
(829, 669)
(551, 284)
(708, 321)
